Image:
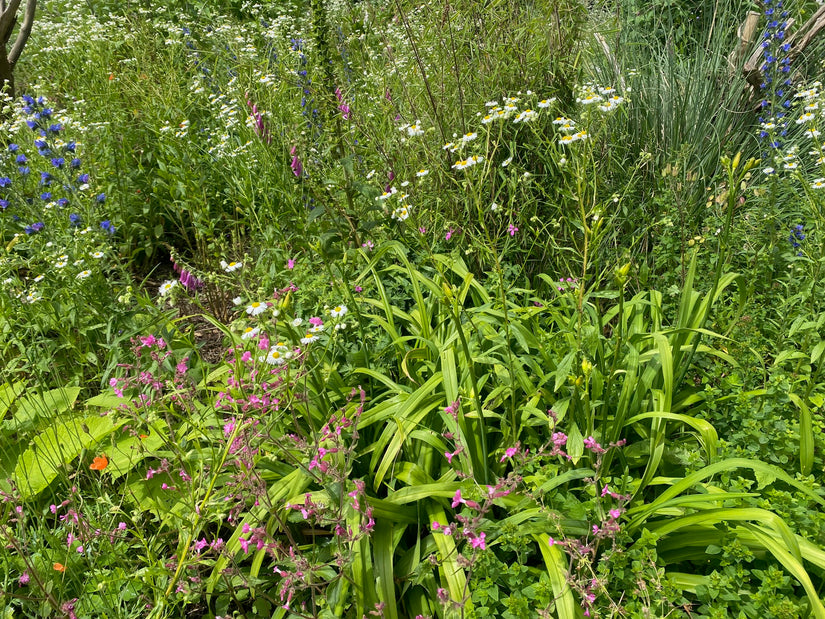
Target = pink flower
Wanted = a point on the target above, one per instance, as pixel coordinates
(509, 453)
(423, 230)
(512, 230)
(290, 264)
(478, 542)
(449, 235)
(246, 357)
(457, 500)
(449, 456)
(615, 513)
(436, 525)
(551, 541)
(296, 166)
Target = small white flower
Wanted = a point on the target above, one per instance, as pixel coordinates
(310, 337)
(60, 264)
(338, 311)
(421, 173)
(370, 174)
(256, 309)
(84, 274)
(818, 183)
(340, 326)
(768, 171)
(494, 207)
(166, 287)
(276, 312)
(237, 301)
(250, 332)
(230, 266)
(804, 118)
(39, 278)
(545, 103)
(507, 162)
(98, 254)
(298, 322)
(468, 137)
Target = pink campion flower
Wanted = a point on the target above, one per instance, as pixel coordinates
(290, 264)
(551, 541)
(24, 579)
(246, 357)
(479, 541)
(615, 513)
(593, 446)
(605, 490)
(457, 500)
(263, 343)
(512, 230)
(449, 235)
(436, 525)
(509, 453)
(315, 321)
(450, 456)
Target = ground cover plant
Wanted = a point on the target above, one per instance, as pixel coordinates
(451, 309)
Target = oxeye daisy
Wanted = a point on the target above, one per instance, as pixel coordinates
(468, 137)
(166, 287)
(421, 173)
(818, 183)
(250, 332)
(84, 274)
(507, 162)
(338, 311)
(255, 308)
(39, 278)
(310, 337)
(230, 266)
(98, 254)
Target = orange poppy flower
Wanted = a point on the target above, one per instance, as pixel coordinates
(99, 463)
(59, 567)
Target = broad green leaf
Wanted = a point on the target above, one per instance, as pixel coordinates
(557, 569)
(54, 448)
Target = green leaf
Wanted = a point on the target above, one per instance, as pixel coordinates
(55, 448)
(557, 567)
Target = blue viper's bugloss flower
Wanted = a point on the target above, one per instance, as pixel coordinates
(5, 181)
(83, 179)
(55, 128)
(46, 195)
(13, 148)
(75, 163)
(21, 159)
(75, 220)
(45, 178)
(63, 202)
(107, 226)
(71, 146)
(58, 162)
(4, 204)
(101, 198)
(41, 144)
(24, 170)
(34, 228)
(28, 99)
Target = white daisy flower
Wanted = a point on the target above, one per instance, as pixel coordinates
(310, 337)
(256, 309)
(298, 322)
(338, 311)
(421, 173)
(98, 254)
(230, 266)
(166, 287)
(250, 332)
(84, 274)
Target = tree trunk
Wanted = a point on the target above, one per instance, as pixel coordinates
(6, 74)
